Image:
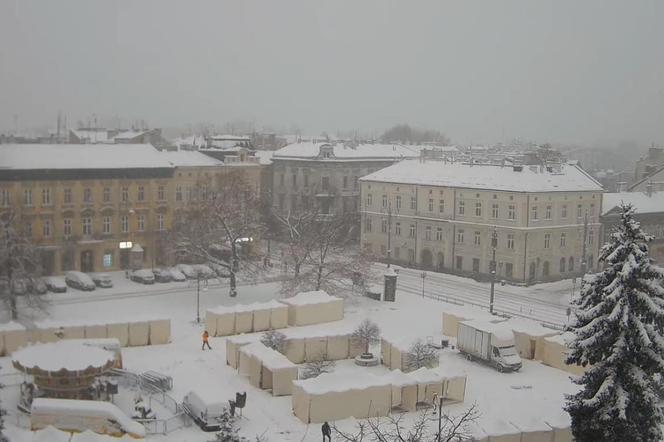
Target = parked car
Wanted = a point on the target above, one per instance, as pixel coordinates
(19, 286)
(162, 275)
(187, 270)
(176, 275)
(144, 276)
(37, 286)
(79, 280)
(55, 284)
(205, 411)
(102, 280)
(205, 272)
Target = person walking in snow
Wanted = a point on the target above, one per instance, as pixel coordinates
(327, 432)
(205, 340)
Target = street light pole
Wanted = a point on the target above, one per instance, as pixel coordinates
(424, 275)
(198, 298)
(494, 243)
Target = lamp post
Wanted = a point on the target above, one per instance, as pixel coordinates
(494, 243)
(424, 276)
(198, 298)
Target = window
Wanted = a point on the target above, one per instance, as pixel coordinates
(397, 229)
(27, 197)
(591, 237)
(294, 179)
(46, 196)
(563, 211)
(383, 226)
(579, 210)
(477, 238)
(413, 203)
(306, 180)
(439, 234)
(547, 240)
(106, 194)
(188, 193)
(161, 193)
(160, 222)
(430, 204)
(106, 225)
(124, 223)
(592, 210)
(384, 200)
(476, 265)
(356, 183)
(108, 259)
(66, 196)
(509, 269)
(369, 199)
(383, 249)
(441, 206)
(494, 210)
(533, 212)
(345, 182)
(511, 212)
(460, 235)
(563, 240)
(562, 265)
(325, 182)
(141, 223)
(570, 262)
(462, 207)
(27, 229)
(459, 262)
(178, 193)
(125, 194)
(411, 255)
(398, 201)
(427, 233)
(5, 198)
(87, 226)
(66, 226)
(367, 225)
(547, 213)
(141, 193)
(510, 241)
(478, 209)
(46, 228)
(545, 269)
(282, 179)
(412, 231)
(87, 195)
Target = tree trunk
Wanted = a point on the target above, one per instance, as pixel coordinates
(13, 306)
(233, 288)
(319, 276)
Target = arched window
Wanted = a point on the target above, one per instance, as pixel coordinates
(545, 269)
(570, 267)
(562, 265)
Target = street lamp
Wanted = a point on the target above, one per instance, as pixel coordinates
(198, 297)
(494, 243)
(424, 276)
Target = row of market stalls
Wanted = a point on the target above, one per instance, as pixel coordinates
(133, 333)
(302, 309)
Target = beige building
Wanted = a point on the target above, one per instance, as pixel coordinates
(88, 206)
(441, 216)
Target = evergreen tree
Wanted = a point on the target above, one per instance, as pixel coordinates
(619, 333)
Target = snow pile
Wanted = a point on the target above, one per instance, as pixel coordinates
(72, 356)
(308, 298)
(50, 434)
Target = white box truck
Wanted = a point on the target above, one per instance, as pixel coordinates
(490, 342)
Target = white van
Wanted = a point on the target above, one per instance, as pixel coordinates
(205, 411)
(78, 416)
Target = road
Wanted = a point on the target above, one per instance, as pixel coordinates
(507, 300)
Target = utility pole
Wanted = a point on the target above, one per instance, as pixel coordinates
(494, 243)
(198, 298)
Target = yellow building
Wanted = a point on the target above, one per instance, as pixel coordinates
(88, 206)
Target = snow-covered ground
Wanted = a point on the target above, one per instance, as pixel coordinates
(535, 393)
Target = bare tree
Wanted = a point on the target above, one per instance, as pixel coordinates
(19, 263)
(222, 220)
(420, 354)
(275, 340)
(430, 425)
(317, 367)
(366, 334)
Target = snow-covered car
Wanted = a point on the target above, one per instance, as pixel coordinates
(205, 410)
(56, 284)
(37, 286)
(187, 270)
(144, 276)
(205, 272)
(79, 280)
(162, 275)
(176, 275)
(102, 280)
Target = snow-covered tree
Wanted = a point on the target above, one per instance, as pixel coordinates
(228, 431)
(275, 340)
(317, 367)
(619, 334)
(420, 354)
(3, 438)
(365, 334)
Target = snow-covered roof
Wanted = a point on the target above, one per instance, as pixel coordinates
(270, 358)
(500, 330)
(335, 382)
(264, 156)
(254, 306)
(191, 140)
(314, 297)
(529, 327)
(80, 156)
(190, 158)
(72, 356)
(92, 136)
(308, 150)
(641, 201)
(562, 339)
(129, 134)
(11, 326)
(569, 178)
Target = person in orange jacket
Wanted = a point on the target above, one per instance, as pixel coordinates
(205, 340)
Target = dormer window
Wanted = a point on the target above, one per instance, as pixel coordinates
(326, 151)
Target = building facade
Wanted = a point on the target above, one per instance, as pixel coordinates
(92, 207)
(442, 216)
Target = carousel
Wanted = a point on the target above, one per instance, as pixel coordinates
(65, 370)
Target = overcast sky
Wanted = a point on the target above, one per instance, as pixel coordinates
(562, 71)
